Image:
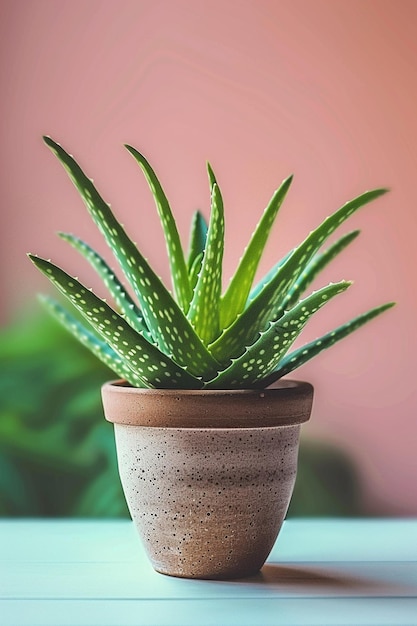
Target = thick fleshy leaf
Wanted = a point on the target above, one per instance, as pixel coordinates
(265, 353)
(122, 299)
(236, 295)
(195, 270)
(99, 348)
(303, 354)
(154, 367)
(207, 291)
(164, 318)
(268, 276)
(198, 238)
(268, 304)
(197, 245)
(179, 273)
(315, 266)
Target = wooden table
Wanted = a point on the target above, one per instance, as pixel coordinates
(321, 572)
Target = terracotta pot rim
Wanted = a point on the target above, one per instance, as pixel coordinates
(285, 383)
(287, 403)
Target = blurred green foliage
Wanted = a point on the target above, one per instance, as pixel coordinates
(57, 453)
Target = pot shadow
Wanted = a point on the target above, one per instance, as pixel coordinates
(326, 580)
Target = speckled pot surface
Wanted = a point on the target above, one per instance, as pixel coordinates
(208, 476)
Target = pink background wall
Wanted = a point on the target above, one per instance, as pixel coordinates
(322, 88)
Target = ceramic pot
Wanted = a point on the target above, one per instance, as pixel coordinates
(208, 475)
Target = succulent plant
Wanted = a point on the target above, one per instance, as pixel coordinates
(198, 337)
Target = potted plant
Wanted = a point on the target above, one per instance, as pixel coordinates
(207, 449)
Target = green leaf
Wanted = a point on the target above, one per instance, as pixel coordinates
(144, 359)
(269, 276)
(197, 245)
(99, 348)
(209, 283)
(177, 262)
(265, 353)
(123, 301)
(268, 304)
(195, 270)
(315, 266)
(211, 177)
(236, 295)
(308, 351)
(102, 497)
(165, 320)
(198, 237)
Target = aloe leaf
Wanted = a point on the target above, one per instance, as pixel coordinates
(209, 283)
(297, 358)
(179, 273)
(165, 320)
(268, 276)
(195, 270)
(152, 366)
(268, 304)
(212, 178)
(198, 237)
(123, 301)
(266, 352)
(315, 266)
(236, 295)
(310, 273)
(99, 348)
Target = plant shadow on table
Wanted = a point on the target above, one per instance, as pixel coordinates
(57, 454)
(328, 579)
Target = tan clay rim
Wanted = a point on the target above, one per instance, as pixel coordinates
(288, 403)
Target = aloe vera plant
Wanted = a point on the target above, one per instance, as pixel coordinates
(198, 337)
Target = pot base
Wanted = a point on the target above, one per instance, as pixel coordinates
(234, 574)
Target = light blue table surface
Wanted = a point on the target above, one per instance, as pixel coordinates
(320, 572)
